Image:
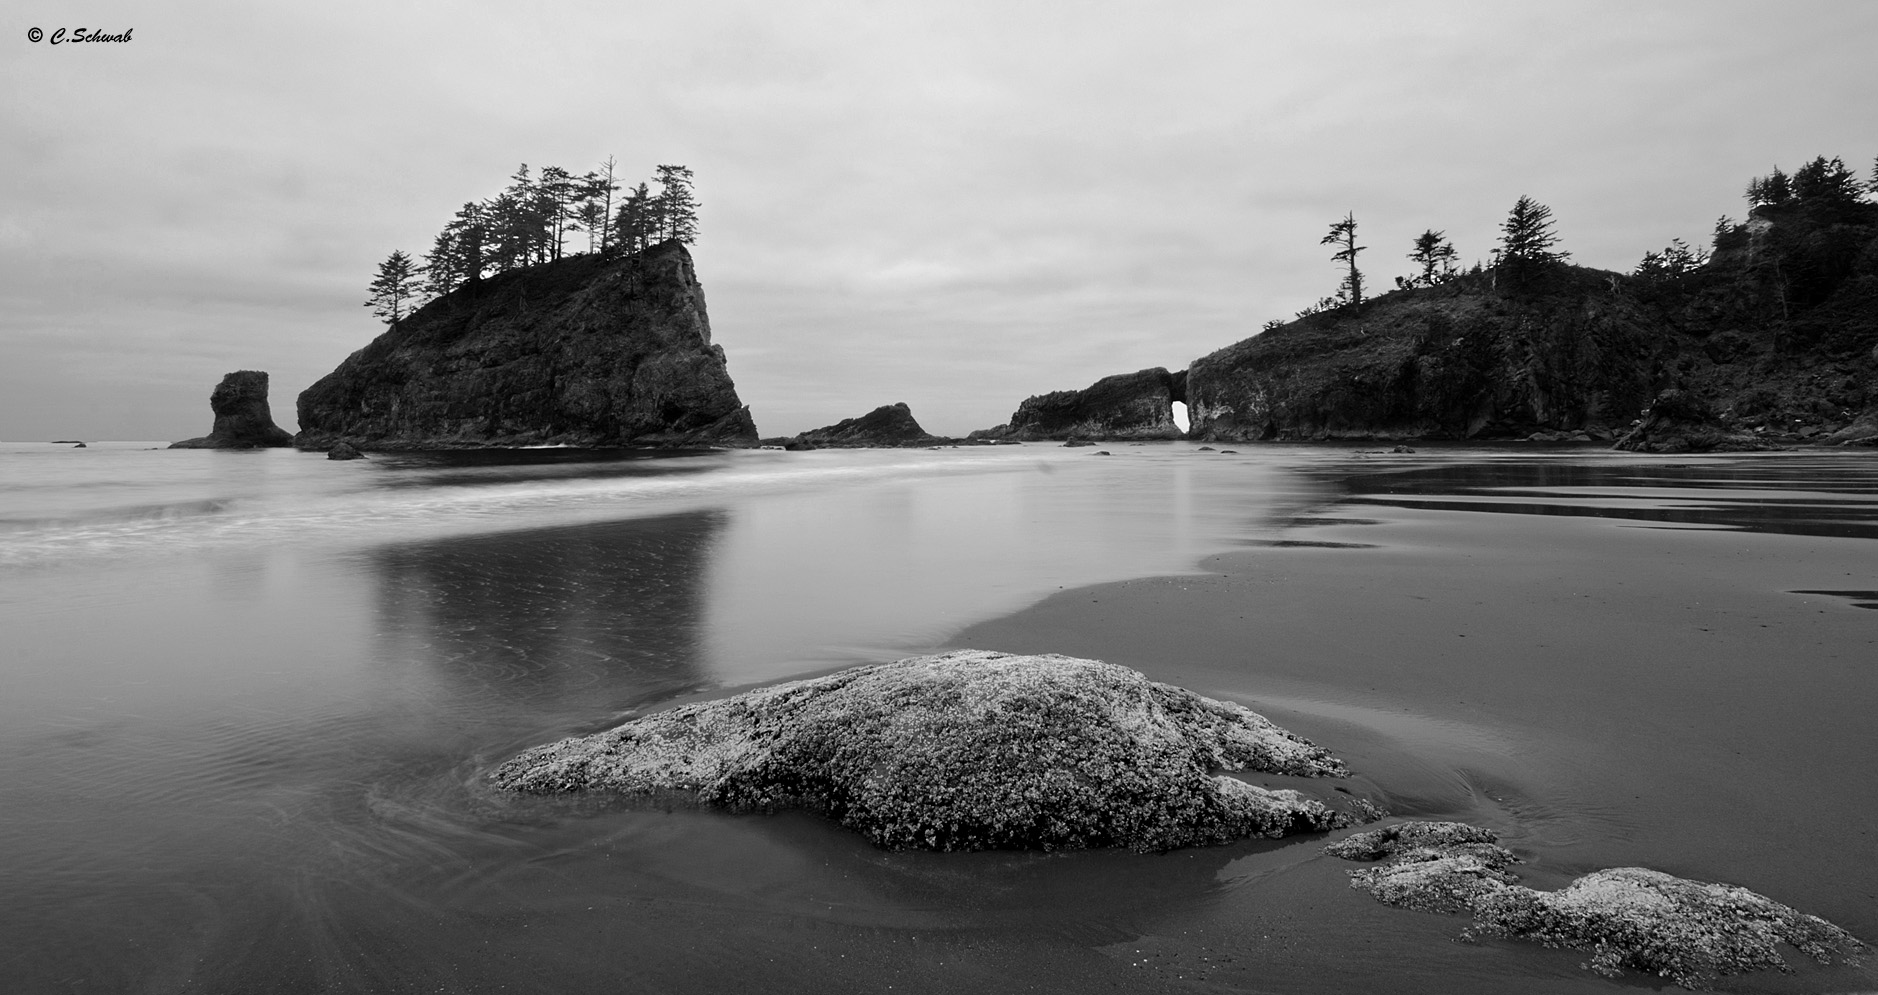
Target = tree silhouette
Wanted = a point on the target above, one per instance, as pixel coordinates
(634, 225)
(1433, 252)
(396, 283)
(1343, 233)
(1526, 239)
(598, 212)
(677, 208)
(1825, 180)
(1770, 189)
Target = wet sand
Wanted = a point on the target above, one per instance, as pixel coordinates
(1601, 692)
(247, 747)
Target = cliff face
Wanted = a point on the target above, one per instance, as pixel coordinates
(1127, 406)
(1462, 360)
(1777, 336)
(587, 351)
(243, 419)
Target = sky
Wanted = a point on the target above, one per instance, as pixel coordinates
(953, 204)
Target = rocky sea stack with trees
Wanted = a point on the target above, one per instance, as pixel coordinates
(505, 337)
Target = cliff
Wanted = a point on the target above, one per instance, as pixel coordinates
(1776, 336)
(1127, 406)
(886, 427)
(243, 419)
(1461, 360)
(587, 351)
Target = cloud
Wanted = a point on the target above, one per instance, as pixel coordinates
(954, 205)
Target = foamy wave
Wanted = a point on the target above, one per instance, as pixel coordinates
(409, 508)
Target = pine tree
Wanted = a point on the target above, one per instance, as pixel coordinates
(396, 283)
(1773, 188)
(601, 188)
(1432, 251)
(457, 255)
(1527, 239)
(634, 225)
(1343, 233)
(1825, 180)
(677, 208)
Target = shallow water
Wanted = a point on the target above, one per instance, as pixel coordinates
(246, 701)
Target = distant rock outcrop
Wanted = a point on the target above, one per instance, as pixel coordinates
(242, 417)
(886, 427)
(1679, 422)
(1124, 407)
(344, 451)
(590, 350)
(967, 751)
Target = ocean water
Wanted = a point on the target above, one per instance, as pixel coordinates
(248, 699)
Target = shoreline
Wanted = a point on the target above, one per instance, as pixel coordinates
(1558, 700)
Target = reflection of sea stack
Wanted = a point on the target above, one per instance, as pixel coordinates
(592, 350)
(242, 417)
(610, 611)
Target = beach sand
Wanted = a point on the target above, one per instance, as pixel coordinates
(1600, 692)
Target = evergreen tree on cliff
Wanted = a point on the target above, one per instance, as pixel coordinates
(1527, 239)
(1433, 252)
(1343, 234)
(595, 214)
(677, 208)
(1770, 189)
(634, 225)
(1826, 180)
(457, 255)
(396, 283)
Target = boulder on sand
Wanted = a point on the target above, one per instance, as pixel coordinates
(969, 750)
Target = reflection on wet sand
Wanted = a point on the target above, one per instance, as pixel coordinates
(594, 618)
(1802, 494)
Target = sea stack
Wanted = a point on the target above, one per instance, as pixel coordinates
(889, 426)
(242, 417)
(591, 351)
(1124, 407)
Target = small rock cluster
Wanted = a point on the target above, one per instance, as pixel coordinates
(1690, 932)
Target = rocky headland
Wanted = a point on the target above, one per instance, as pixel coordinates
(243, 419)
(590, 350)
(1124, 407)
(970, 750)
(889, 426)
(1771, 340)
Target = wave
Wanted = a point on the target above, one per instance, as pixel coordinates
(421, 502)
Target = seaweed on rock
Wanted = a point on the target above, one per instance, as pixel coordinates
(1690, 932)
(964, 751)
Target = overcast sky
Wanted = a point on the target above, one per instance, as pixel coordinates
(950, 204)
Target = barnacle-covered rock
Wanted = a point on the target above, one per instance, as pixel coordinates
(1433, 866)
(1690, 932)
(964, 751)
(1627, 917)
